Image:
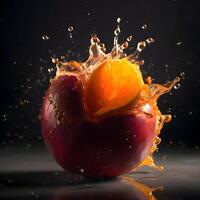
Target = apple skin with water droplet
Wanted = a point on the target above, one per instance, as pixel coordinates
(107, 147)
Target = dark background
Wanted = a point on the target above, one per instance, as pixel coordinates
(25, 57)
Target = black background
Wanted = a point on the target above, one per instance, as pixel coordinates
(25, 57)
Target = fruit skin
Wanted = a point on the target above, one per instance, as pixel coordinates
(105, 148)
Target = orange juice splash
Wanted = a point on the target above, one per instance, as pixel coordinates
(116, 70)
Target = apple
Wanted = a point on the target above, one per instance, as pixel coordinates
(107, 147)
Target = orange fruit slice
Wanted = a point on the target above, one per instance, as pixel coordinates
(112, 85)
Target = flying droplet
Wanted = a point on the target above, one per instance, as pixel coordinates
(144, 26)
(178, 43)
(118, 20)
(150, 40)
(177, 86)
(45, 37)
(129, 38)
(70, 28)
(62, 57)
(117, 31)
(182, 74)
(4, 117)
(55, 60)
(82, 170)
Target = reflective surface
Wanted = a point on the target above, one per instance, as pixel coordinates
(35, 175)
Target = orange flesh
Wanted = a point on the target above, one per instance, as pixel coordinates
(112, 85)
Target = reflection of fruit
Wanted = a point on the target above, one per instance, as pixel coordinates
(106, 147)
(124, 189)
(114, 84)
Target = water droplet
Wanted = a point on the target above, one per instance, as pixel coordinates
(118, 20)
(178, 43)
(55, 60)
(150, 40)
(182, 74)
(62, 57)
(169, 110)
(177, 86)
(50, 70)
(144, 26)
(82, 170)
(141, 46)
(190, 113)
(45, 37)
(130, 147)
(70, 28)
(4, 117)
(124, 45)
(117, 31)
(129, 38)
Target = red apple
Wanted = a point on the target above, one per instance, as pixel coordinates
(108, 147)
